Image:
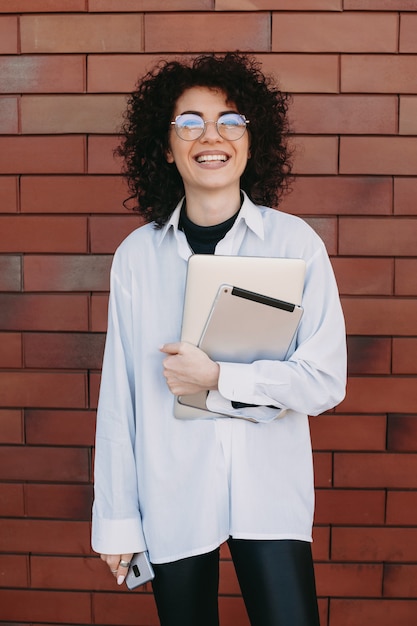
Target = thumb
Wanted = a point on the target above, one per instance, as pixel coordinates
(170, 348)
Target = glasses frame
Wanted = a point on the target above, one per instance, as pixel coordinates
(205, 122)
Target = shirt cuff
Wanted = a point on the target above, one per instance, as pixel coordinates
(117, 536)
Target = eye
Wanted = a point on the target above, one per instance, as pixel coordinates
(189, 123)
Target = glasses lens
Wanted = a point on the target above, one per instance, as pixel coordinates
(189, 126)
(231, 126)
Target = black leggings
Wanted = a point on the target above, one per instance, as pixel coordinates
(276, 579)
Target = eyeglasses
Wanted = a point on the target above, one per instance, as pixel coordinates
(190, 126)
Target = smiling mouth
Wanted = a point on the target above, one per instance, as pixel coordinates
(209, 158)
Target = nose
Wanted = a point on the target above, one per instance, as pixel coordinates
(210, 131)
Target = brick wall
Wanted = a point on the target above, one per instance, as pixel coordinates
(65, 69)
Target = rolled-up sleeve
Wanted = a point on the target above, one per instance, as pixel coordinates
(313, 378)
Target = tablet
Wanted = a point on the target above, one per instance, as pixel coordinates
(275, 277)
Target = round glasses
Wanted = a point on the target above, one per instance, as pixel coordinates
(190, 126)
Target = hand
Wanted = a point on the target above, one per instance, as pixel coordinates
(188, 369)
(114, 562)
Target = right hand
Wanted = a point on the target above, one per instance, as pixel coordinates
(114, 562)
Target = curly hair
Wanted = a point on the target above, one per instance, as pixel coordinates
(156, 185)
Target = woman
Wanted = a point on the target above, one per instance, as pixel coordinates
(205, 154)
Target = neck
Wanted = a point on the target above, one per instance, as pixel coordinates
(212, 208)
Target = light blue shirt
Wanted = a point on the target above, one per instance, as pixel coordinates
(181, 487)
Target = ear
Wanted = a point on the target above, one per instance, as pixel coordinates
(169, 156)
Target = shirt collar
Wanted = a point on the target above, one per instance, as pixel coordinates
(249, 212)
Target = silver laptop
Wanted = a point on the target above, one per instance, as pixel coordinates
(278, 278)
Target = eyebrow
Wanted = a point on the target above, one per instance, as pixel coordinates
(202, 115)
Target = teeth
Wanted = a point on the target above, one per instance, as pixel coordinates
(211, 157)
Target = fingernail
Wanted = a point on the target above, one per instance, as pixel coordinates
(120, 580)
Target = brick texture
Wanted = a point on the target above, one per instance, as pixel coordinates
(66, 67)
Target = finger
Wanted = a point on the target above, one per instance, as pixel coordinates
(170, 348)
(124, 565)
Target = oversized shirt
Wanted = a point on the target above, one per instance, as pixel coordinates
(181, 487)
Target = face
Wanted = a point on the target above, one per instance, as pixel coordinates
(210, 162)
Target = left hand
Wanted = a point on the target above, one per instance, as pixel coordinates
(188, 369)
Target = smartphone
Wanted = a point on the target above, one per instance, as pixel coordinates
(140, 570)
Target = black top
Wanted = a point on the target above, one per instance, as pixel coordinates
(203, 239)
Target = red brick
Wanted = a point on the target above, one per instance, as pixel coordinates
(401, 508)
(380, 394)
(340, 195)
(316, 73)
(118, 73)
(44, 463)
(10, 273)
(378, 73)
(63, 350)
(67, 273)
(378, 155)
(71, 573)
(108, 232)
(44, 312)
(364, 276)
(81, 33)
(11, 426)
(56, 607)
(402, 433)
(326, 228)
(72, 114)
(8, 34)
(375, 470)
(279, 5)
(400, 581)
(77, 194)
(334, 32)
(39, 155)
(8, 115)
(315, 155)
(148, 5)
(323, 469)
(348, 580)
(8, 194)
(186, 32)
(28, 389)
(374, 544)
(405, 277)
(12, 502)
(93, 389)
(99, 308)
(321, 543)
(382, 612)
(384, 316)
(369, 355)
(408, 30)
(347, 506)
(59, 502)
(124, 609)
(58, 428)
(405, 193)
(43, 233)
(378, 237)
(40, 6)
(232, 611)
(100, 157)
(322, 114)
(348, 432)
(408, 113)
(14, 570)
(229, 584)
(45, 537)
(378, 5)
(403, 355)
(42, 74)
